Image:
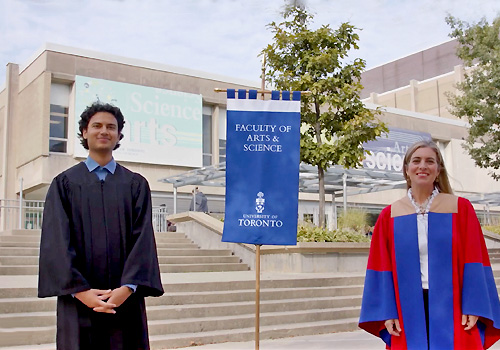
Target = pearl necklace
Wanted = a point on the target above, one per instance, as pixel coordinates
(426, 205)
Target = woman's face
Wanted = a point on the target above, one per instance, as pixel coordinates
(423, 168)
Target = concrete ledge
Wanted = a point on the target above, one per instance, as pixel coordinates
(307, 257)
(492, 239)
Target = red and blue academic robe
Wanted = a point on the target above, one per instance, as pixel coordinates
(460, 278)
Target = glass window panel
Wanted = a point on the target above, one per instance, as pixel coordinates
(58, 126)
(57, 146)
(222, 123)
(59, 94)
(58, 109)
(222, 147)
(222, 151)
(207, 159)
(207, 134)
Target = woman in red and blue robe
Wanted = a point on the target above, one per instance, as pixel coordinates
(429, 283)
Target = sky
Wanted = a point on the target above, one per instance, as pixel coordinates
(222, 37)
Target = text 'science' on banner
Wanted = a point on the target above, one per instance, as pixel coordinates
(262, 169)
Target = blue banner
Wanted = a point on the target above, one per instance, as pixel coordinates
(262, 171)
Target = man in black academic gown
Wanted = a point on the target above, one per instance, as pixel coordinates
(97, 251)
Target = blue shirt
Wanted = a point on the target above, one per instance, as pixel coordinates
(100, 171)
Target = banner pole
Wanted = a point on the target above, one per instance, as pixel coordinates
(257, 296)
(257, 246)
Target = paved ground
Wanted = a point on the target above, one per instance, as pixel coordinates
(358, 340)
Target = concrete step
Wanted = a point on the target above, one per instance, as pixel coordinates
(174, 312)
(194, 259)
(29, 319)
(195, 325)
(21, 244)
(21, 305)
(248, 334)
(213, 297)
(20, 238)
(18, 260)
(21, 233)
(27, 336)
(350, 280)
(188, 245)
(15, 251)
(181, 239)
(170, 234)
(212, 267)
(18, 292)
(164, 268)
(193, 251)
(19, 270)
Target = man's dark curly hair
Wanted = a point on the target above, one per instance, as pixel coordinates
(90, 111)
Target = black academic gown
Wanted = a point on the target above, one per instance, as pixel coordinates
(98, 234)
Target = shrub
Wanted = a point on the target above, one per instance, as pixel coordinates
(308, 232)
(356, 219)
(495, 229)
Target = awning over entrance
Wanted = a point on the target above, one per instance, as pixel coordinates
(338, 181)
(356, 180)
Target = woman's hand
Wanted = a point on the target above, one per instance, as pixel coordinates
(469, 321)
(393, 327)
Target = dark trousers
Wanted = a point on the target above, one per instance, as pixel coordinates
(426, 308)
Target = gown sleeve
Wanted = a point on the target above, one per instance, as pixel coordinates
(379, 300)
(479, 292)
(58, 266)
(141, 267)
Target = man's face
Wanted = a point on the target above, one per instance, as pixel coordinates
(102, 133)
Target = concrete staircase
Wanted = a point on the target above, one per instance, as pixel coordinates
(212, 301)
(224, 311)
(494, 254)
(176, 253)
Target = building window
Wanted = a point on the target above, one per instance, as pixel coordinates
(58, 136)
(308, 218)
(59, 102)
(207, 135)
(222, 134)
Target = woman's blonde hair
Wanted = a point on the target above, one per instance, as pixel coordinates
(442, 182)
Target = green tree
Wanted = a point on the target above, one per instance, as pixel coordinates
(478, 98)
(335, 121)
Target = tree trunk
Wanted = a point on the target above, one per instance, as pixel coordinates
(321, 178)
(321, 171)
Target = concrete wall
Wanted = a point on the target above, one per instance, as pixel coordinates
(31, 122)
(305, 257)
(206, 232)
(428, 96)
(420, 66)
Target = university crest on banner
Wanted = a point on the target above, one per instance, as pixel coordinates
(262, 168)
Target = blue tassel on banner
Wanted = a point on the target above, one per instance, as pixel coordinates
(296, 96)
(231, 93)
(252, 94)
(285, 95)
(275, 95)
(242, 94)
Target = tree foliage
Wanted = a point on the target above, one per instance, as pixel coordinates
(478, 100)
(335, 121)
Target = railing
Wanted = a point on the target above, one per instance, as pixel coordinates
(16, 215)
(160, 222)
(30, 215)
